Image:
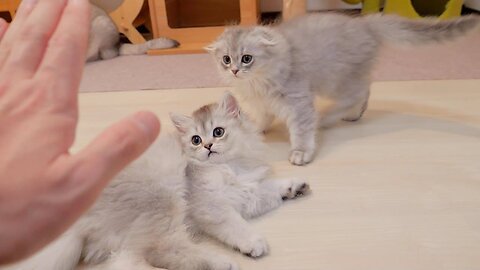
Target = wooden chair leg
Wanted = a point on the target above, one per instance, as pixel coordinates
(125, 15)
(293, 8)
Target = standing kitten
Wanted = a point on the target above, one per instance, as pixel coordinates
(104, 40)
(279, 70)
(137, 223)
(228, 178)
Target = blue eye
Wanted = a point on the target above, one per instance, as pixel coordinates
(227, 60)
(196, 140)
(247, 59)
(218, 132)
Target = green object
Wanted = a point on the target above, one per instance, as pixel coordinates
(443, 9)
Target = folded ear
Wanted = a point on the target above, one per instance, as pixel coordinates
(265, 35)
(213, 47)
(181, 122)
(230, 105)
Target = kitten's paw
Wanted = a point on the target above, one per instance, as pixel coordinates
(300, 158)
(298, 188)
(352, 119)
(223, 263)
(255, 247)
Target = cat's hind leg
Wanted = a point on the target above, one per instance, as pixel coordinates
(123, 260)
(232, 229)
(178, 252)
(271, 194)
(349, 105)
(356, 111)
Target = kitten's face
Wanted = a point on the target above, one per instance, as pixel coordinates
(214, 133)
(243, 53)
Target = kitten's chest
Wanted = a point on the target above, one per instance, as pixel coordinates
(269, 97)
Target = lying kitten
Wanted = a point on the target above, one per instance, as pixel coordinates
(138, 223)
(105, 39)
(228, 178)
(278, 70)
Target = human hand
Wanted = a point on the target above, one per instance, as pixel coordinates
(44, 188)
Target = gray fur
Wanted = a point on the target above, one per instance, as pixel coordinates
(329, 55)
(104, 40)
(230, 182)
(137, 223)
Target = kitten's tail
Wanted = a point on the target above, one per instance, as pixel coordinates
(154, 44)
(407, 31)
(62, 254)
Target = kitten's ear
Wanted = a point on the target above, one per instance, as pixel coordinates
(230, 105)
(212, 47)
(181, 122)
(265, 35)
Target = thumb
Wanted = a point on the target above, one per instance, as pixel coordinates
(116, 147)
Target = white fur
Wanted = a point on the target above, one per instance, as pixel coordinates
(137, 223)
(233, 184)
(328, 55)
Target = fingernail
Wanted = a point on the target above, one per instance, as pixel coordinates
(148, 122)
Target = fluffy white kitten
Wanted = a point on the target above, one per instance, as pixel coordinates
(279, 70)
(229, 179)
(137, 223)
(104, 40)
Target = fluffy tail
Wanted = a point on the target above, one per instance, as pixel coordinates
(158, 43)
(63, 254)
(407, 31)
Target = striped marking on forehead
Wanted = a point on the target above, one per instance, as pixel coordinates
(203, 117)
(236, 38)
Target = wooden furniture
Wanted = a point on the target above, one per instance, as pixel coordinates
(196, 24)
(125, 16)
(293, 8)
(9, 6)
(400, 189)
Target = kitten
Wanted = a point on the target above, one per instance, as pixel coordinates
(279, 70)
(104, 40)
(137, 223)
(229, 180)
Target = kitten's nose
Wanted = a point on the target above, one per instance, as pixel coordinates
(234, 71)
(208, 146)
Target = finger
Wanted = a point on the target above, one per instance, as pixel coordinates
(10, 36)
(3, 28)
(115, 148)
(65, 56)
(25, 56)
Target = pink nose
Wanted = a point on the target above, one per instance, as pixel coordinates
(234, 71)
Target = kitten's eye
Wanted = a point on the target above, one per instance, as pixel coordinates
(247, 59)
(218, 132)
(227, 60)
(196, 140)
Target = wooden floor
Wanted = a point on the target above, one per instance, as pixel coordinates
(400, 189)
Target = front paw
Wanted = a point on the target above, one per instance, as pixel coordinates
(221, 263)
(296, 189)
(255, 247)
(300, 158)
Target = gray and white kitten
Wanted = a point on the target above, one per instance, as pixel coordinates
(137, 223)
(279, 70)
(104, 40)
(229, 180)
